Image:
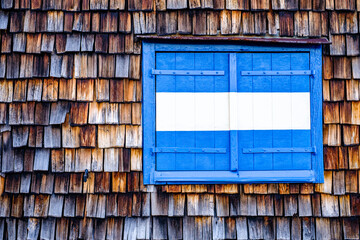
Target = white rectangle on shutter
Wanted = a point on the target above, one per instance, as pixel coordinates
(180, 111)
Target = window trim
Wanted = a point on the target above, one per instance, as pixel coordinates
(151, 176)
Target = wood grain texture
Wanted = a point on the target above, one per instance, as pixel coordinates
(71, 99)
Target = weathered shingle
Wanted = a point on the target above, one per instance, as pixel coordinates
(41, 66)
(52, 137)
(85, 66)
(13, 66)
(58, 112)
(87, 116)
(87, 42)
(29, 21)
(26, 67)
(41, 160)
(4, 19)
(16, 21)
(70, 136)
(47, 44)
(19, 42)
(20, 136)
(73, 43)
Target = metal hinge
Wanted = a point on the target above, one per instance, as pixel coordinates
(280, 150)
(187, 150)
(187, 72)
(278, 73)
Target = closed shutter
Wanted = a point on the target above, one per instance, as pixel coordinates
(192, 112)
(274, 111)
(232, 116)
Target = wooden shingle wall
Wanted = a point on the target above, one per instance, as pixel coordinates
(70, 100)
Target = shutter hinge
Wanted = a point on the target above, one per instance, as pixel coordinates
(280, 150)
(187, 150)
(278, 73)
(187, 72)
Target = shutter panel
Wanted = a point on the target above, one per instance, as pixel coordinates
(275, 111)
(192, 112)
(231, 113)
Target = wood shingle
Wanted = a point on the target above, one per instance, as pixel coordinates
(71, 119)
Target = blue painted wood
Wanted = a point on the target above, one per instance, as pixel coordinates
(279, 150)
(222, 140)
(234, 150)
(262, 139)
(164, 148)
(218, 162)
(203, 62)
(166, 161)
(300, 61)
(207, 155)
(301, 160)
(245, 83)
(187, 73)
(185, 61)
(261, 62)
(221, 61)
(246, 140)
(205, 161)
(185, 161)
(165, 83)
(281, 62)
(175, 47)
(277, 73)
(249, 58)
(188, 177)
(244, 62)
(148, 110)
(301, 83)
(202, 161)
(316, 113)
(281, 139)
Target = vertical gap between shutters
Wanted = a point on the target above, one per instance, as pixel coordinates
(176, 142)
(213, 68)
(234, 147)
(272, 114)
(253, 112)
(292, 131)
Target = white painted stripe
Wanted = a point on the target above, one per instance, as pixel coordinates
(249, 111)
(300, 111)
(233, 103)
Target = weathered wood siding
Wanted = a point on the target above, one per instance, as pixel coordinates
(70, 100)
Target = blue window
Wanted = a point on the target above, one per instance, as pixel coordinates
(232, 113)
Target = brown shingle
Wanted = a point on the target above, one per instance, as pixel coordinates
(41, 66)
(342, 68)
(338, 45)
(345, 5)
(117, 5)
(286, 24)
(16, 21)
(238, 5)
(4, 19)
(48, 40)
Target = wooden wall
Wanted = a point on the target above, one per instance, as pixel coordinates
(70, 100)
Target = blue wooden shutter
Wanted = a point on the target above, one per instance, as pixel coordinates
(186, 136)
(280, 136)
(231, 113)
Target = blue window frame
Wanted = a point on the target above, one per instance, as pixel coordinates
(225, 113)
